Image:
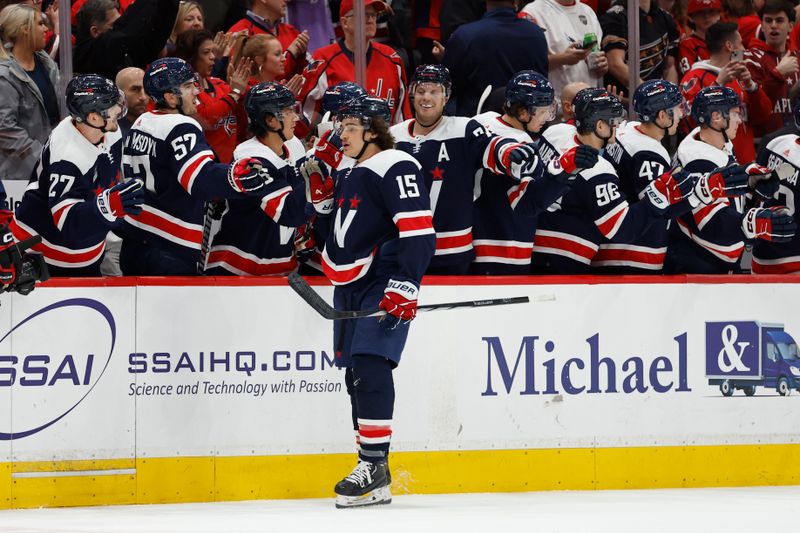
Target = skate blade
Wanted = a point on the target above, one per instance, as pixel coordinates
(379, 496)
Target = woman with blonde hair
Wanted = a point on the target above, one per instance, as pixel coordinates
(269, 62)
(28, 78)
(190, 17)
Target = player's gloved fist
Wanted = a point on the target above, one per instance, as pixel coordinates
(123, 198)
(774, 224)
(305, 244)
(328, 153)
(247, 176)
(10, 257)
(726, 182)
(319, 186)
(669, 188)
(762, 181)
(578, 158)
(522, 160)
(400, 303)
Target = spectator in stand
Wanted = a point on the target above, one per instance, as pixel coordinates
(742, 13)
(772, 66)
(269, 62)
(427, 31)
(567, 25)
(678, 12)
(28, 103)
(107, 42)
(332, 64)
(78, 4)
(658, 44)
(222, 14)
(692, 48)
(218, 110)
(190, 17)
(316, 18)
(265, 16)
(721, 68)
(130, 82)
(480, 54)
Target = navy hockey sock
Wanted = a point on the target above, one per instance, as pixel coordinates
(374, 392)
(351, 391)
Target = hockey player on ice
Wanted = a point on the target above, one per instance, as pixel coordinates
(711, 239)
(256, 235)
(74, 198)
(167, 150)
(380, 242)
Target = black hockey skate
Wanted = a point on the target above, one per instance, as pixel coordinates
(367, 484)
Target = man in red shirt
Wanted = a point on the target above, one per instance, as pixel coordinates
(692, 48)
(264, 16)
(771, 65)
(744, 15)
(723, 40)
(332, 64)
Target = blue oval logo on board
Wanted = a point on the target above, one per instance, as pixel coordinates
(50, 375)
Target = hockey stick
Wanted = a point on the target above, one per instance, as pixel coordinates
(312, 298)
(486, 92)
(214, 211)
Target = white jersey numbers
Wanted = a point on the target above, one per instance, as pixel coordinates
(179, 145)
(408, 186)
(606, 193)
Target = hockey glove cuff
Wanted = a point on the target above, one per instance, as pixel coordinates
(669, 189)
(319, 187)
(727, 182)
(400, 303)
(328, 153)
(10, 257)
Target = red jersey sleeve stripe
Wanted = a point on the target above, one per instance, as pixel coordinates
(192, 167)
(609, 223)
(412, 224)
(273, 203)
(60, 211)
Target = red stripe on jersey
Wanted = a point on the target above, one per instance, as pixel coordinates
(609, 226)
(633, 256)
(343, 276)
(491, 158)
(565, 244)
(186, 178)
(516, 192)
(456, 241)
(167, 226)
(704, 213)
(789, 267)
(499, 250)
(61, 213)
(274, 206)
(414, 224)
(76, 259)
(248, 265)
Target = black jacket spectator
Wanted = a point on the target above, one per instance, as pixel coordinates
(134, 40)
(489, 52)
(455, 13)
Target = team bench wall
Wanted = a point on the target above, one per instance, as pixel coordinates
(175, 389)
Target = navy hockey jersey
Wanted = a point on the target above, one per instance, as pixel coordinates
(505, 221)
(784, 257)
(709, 239)
(450, 156)
(60, 201)
(256, 235)
(169, 153)
(379, 200)
(638, 159)
(592, 211)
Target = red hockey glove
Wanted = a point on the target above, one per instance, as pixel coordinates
(319, 187)
(773, 224)
(247, 176)
(578, 158)
(400, 303)
(328, 153)
(669, 188)
(726, 182)
(123, 198)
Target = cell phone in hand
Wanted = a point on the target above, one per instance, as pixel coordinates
(737, 55)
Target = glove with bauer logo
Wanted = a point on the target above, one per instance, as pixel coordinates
(400, 303)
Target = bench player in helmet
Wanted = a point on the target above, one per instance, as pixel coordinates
(506, 208)
(256, 235)
(711, 239)
(596, 209)
(166, 149)
(771, 257)
(75, 197)
(451, 150)
(380, 244)
(638, 158)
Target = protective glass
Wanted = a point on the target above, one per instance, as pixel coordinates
(339, 127)
(546, 113)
